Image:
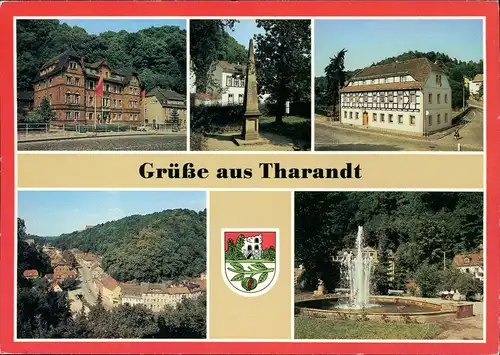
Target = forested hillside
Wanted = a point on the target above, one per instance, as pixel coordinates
(158, 54)
(454, 68)
(164, 245)
(420, 228)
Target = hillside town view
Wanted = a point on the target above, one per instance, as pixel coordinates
(120, 84)
(138, 276)
(244, 96)
(413, 95)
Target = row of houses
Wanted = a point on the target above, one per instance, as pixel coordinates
(71, 87)
(154, 296)
(61, 269)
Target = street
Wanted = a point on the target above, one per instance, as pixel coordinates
(148, 142)
(86, 285)
(330, 137)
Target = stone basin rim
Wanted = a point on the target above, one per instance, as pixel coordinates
(401, 300)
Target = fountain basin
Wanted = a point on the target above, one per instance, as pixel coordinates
(386, 309)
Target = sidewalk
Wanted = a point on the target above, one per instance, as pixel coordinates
(55, 136)
(390, 133)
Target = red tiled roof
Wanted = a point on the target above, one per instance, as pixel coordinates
(470, 259)
(478, 77)
(30, 273)
(177, 290)
(109, 282)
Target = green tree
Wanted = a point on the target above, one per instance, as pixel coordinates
(480, 91)
(174, 117)
(283, 61)
(381, 277)
(207, 40)
(269, 254)
(42, 114)
(428, 279)
(335, 77)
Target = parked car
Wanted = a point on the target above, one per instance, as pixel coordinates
(144, 128)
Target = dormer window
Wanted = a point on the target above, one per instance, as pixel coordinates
(73, 65)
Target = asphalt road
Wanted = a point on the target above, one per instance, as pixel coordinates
(337, 138)
(86, 285)
(137, 143)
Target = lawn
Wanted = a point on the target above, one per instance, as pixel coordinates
(296, 128)
(324, 328)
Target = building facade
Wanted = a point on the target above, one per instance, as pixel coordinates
(412, 96)
(228, 81)
(156, 296)
(162, 107)
(470, 263)
(110, 290)
(70, 86)
(475, 84)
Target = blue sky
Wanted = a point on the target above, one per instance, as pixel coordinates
(369, 41)
(51, 213)
(98, 26)
(244, 30)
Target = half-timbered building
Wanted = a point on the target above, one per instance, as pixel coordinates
(412, 96)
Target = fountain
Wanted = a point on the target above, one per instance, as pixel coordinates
(356, 270)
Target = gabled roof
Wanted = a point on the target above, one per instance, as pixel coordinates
(61, 59)
(468, 260)
(478, 77)
(165, 95)
(231, 67)
(110, 283)
(418, 68)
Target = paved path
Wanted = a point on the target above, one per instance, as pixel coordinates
(336, 138)
(86, 285)
(224, 142)
(132, 143)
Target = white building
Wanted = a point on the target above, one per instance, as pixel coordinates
(252, 248)
(411, 96)
(471, 263)
(229, 85)
(475, 84)
(156, 296)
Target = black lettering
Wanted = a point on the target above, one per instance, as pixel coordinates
(346, 173)
(146, 174)
(357, 172)
(173, 172)
(188, 171)
(203, 173)
(248, 173)
(265, 169)
(222, 173)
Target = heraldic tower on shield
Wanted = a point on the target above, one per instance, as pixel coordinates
(250, 265)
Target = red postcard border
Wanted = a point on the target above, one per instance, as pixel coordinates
(9, 10)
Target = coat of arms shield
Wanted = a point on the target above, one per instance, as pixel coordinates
(250, 261)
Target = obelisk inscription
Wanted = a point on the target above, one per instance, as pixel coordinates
(252, 114)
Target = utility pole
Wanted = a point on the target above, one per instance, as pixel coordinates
(444, 260)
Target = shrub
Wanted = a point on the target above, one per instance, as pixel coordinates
(216, 119)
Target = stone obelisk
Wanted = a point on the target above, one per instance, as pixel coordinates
(251, 100)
